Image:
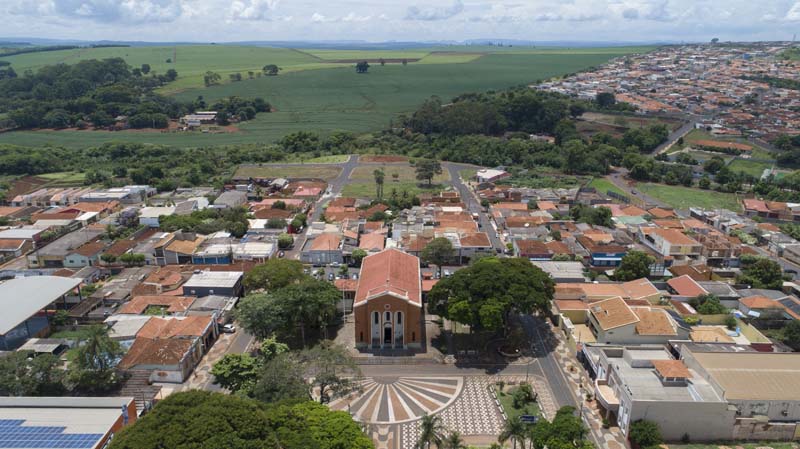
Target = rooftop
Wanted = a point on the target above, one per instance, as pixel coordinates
(390, 272)
(21, 298)
(758, 376)
(213, 279)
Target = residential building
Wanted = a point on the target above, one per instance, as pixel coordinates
(223, 283)
(614, 321)
(324, 249)
(149, 216)
(671, 243)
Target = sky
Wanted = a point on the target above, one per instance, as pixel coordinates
(401, 20)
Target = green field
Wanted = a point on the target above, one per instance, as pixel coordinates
(324, 100)
(287, 171)
(752, 168)
(603, 185)
(404, 172)
(367, 189)
(685, 197)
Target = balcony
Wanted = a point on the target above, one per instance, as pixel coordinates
(605, 394)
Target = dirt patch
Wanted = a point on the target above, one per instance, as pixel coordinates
(25, 185)
(372, 60)
(381, 158)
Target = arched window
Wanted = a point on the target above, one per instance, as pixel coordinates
(376, 318)
(387, 317)
(400, 318)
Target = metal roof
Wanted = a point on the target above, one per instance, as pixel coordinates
(21, 298)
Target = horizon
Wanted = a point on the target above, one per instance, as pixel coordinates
(383, 21)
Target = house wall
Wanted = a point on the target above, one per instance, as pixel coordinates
(322, 257)
(702, 421)
(751, 429)
(412, 320)
(79, 261)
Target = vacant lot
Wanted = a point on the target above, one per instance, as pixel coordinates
(367, 189)
(630, 121)
(381, 158)
(603, 185)
(752, 168)
(287, 171)
(685, 197)
(405, 173)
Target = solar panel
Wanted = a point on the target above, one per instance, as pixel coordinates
(13, 434)
(791, 305)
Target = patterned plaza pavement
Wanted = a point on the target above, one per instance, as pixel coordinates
(391, 407)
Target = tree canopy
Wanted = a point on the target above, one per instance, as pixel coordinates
(635, 265)
(438, 251)
(763, 273)
(485, 294)
(204, 420)
(274, 274)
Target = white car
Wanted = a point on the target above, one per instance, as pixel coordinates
(228, 329)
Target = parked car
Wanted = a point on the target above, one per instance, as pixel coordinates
(330, 276)
(281, 254)
(355, 276)
(228, 329)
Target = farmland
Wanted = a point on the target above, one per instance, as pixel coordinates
(311, 93)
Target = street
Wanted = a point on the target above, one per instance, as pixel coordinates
(472, 203)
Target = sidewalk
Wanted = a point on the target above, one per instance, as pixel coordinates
(201, 378)
(610, 438)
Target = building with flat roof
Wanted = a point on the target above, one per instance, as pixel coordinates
(63, 422)
(22, 299)
(205, 283)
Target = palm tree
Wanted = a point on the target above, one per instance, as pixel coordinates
(515, 431)
(379, 175)
(454, 441)
(431, 431)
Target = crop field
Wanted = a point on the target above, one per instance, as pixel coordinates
(311, 94)
(287, 171)
(404, 172)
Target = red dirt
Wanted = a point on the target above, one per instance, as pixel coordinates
(25, 185)
(381, 158)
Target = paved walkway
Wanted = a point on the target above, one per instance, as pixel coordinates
(201, 378)
(610, 438)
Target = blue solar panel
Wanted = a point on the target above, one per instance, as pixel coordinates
(13, 434)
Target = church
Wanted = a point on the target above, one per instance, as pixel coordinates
(388, 303)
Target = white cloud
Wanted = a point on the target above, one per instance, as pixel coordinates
(432, 13)
(109, 11)
(252, 9)
(794, 13)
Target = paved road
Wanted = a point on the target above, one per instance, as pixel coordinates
(785, 264)
(472, 203)
(677, 134)
(618, 179)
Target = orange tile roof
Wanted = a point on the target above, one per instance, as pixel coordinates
(672, 368)
(653, 322)
(476, 240)
(185, 246)
(510, 206)
(11, 243)
(659, 212)
(190, 326)
(90, 249)
(95, 207)
(571, 304)
(673, 236)
(120, 247)
(613, 313)
(390, 272)
(372, 241)
(8, 210)
(174, 304)
(346, 285)
(686, 286)
(427, 284)
(145, 351)
(327, 241)
(760, 302)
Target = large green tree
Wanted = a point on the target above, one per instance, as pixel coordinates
(791, 335)
(22, 375)
(763, 273)
(485, 294)
(274, 274)
(236, 372)
(331, 370)
(438, 251)
(431, 431)
(427, 169)
(635, 265)
(204, 420)
(309, 304)
(379, 176)
(281, 379)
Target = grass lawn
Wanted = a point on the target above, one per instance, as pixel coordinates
(291, 171)
(468, 173)
(405, 172)
(752, 168)
(330, 159)
(64, 178)
(507, 402)
(603, 185)
(684, 197)
(367, 189)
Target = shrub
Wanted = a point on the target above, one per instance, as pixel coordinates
(645, 434)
